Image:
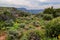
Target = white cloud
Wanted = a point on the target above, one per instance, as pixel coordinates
(29, 4)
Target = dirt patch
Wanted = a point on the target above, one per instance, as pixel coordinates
(3, 36)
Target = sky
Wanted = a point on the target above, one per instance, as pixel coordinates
(30, 4)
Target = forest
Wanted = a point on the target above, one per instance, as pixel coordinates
(19, 25)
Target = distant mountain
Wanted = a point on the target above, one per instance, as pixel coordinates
(23, 9)
(34, 11)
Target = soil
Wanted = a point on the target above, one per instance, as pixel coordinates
(3, 36)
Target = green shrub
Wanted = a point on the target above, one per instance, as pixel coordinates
(47, 17)
(57, 14)
(39, 15)
(53, 28)
(36, 24)
(46, 38)
(1, 25)
(33, 35)
(14, 35)
(22, 25)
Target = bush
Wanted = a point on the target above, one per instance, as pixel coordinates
(49, 10)
(47, 17)
(36, 24)
(14, 35)
(22, 25)
(33, 35)
(53, 28)
(6, 24)
(49, 38)
(39, 15)
(56, 14)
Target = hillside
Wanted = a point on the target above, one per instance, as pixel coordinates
(21, 25)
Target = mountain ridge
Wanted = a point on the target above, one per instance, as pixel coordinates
(34, 11)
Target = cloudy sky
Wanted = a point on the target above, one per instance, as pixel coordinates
(30, 4)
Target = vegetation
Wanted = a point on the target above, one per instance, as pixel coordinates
(20, 25)
(53, 28)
